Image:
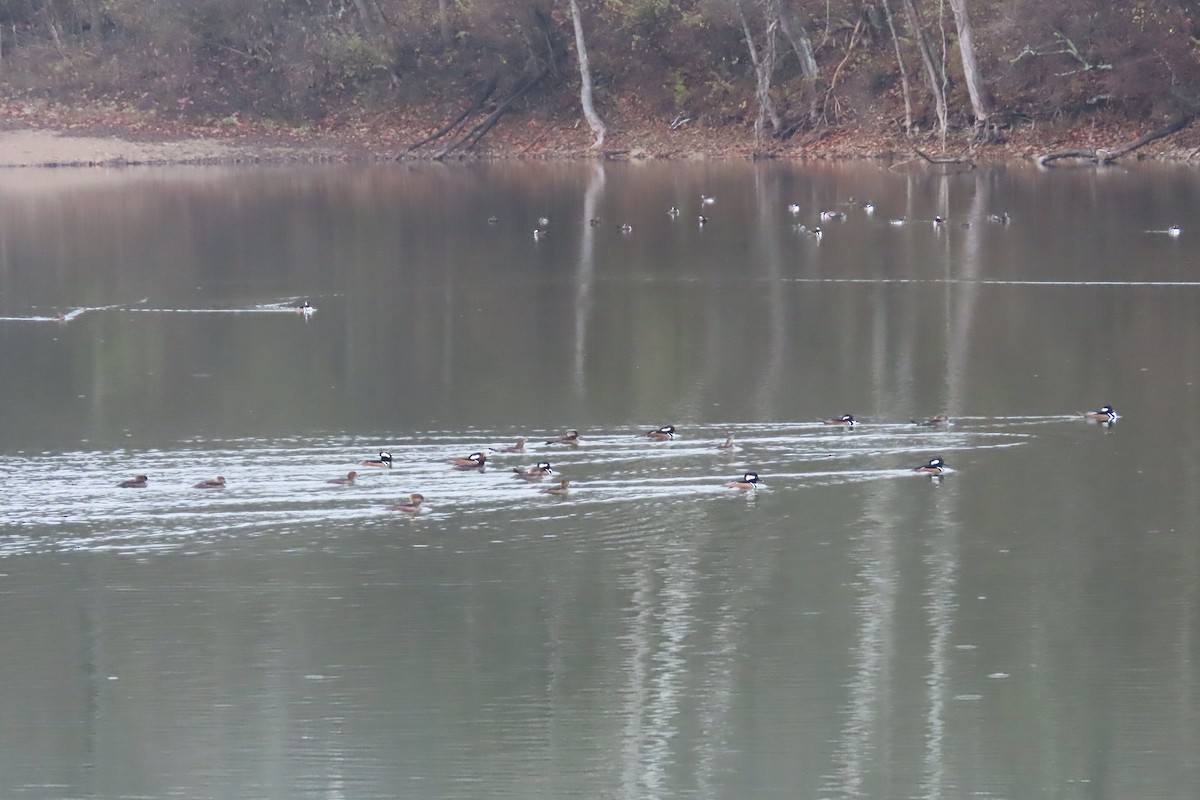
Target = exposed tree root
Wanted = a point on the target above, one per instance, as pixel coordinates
(1101, 155)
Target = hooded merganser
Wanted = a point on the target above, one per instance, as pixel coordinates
(349, 479)
(936, 421)
(935, 467)
(939, 220)
(594, 221)
(661, 434)
(534, 473)
(833, 215)
(493, 220)
(560, 490)
(213, 483)
(384, 460)
(708, 199)
(672, 212)
(570, 437)
(747, 482)
(897, 221)
(538, 234)
(703, 220)
(1003, 219)
(543, 221)
(727, 445)
(868, 207)
(626, 228)
(518, 447)
(1104, 414)
(1174, 230)
(844, 419)
(413, 506)
(305, 309)
(136, 482)
(473, 461)
(793, 208)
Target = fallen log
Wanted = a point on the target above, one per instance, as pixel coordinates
(1103, 155)
(945, 159)
(469, 111)
(473, 136)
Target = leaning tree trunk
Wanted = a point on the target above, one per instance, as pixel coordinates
(933, 76)
(585, 79)
(802, 45)
(908, 118)
(966, 44)
(764, 66)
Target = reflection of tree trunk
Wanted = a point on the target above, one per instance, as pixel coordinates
(585, 77)
(584, 275)
(966, 46)
(933, 73)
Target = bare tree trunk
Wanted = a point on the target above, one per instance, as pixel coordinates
(798, 37)
(887, 11)
(966, 44)
(933, 75)
(585, 80)
(444, 22)
(764, 66)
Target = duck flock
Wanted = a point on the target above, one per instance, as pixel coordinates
(748, 481)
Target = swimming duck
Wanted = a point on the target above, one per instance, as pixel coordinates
(1104, 414)
(136, 482)
(538, 234)
(560, 490)
(703, 220)
(305, 309)
(384, 460)
(708, 199)
(897, 221)
(939, 220)
(672, 212)
(570, 438)
(844, 419)
(346, 481)
(825, 215)
(936, 421)
(747, 482)
(543, 221)
(661, 434)
(793, 208)
(213, 483)
(934, 467)
(534, 473)
(626, 228)
(1174, 230)
(1003, 219)
(413, 506)
(517, 447)
(473, 461)
(727, 445)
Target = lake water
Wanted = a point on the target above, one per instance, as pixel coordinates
(1025, 625)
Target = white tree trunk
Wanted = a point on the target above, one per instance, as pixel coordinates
(764, 66)
(585, 79)
(966, 44)
(933, 75)
(908, 121)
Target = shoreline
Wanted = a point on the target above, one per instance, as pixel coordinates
(54, 138)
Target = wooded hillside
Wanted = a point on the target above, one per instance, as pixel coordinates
(774, 68)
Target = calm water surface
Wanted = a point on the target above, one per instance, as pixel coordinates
(1025, 625)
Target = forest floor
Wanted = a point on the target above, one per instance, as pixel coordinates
(40, 134)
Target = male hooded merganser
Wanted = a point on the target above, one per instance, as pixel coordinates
(747, 482)
(935, 467)
(672, 212)
(570, 437)
(1174, 230)
(833, 215)
(560, 490)
(626, 228)
(727, 445)
(346, 481)
(793, 208)
(384, 460)
(543, 221)
(897, 221)
(213, 483)
(703, 220)
(305, 309)
(534, 473)
(1104, 414)
(661, 434)
(936, 421)
(1003, 219)
(493, 220)
(518, 447)
(939, 220)
(868, 207)
(844, 419)
(708, 199)
(413, 506)
(538, 234)
(473, 461)
(136, 482)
